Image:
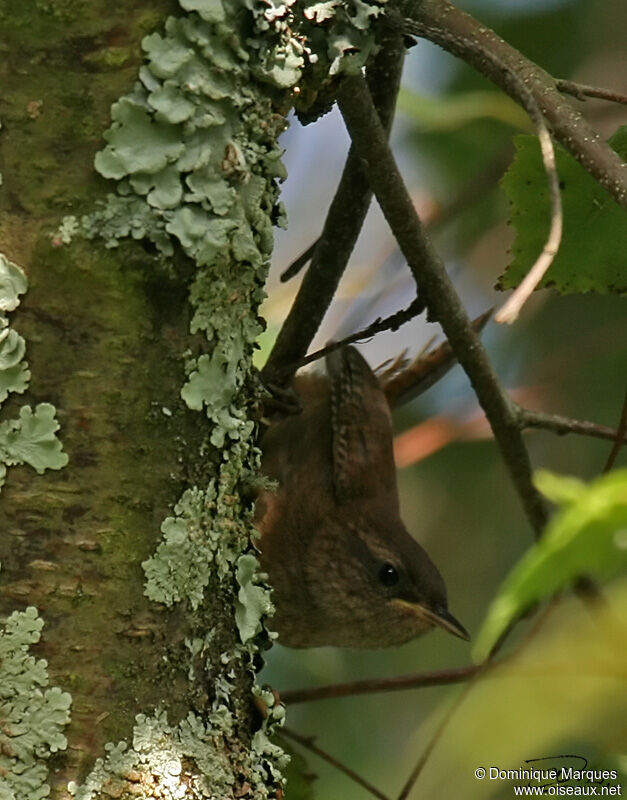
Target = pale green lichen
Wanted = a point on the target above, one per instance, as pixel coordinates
(253, 603)
(14, 372)
(31, 438)
(69, 227)
(33, 714)
(163, 753)
(13, 283)
(191, 548)
(194, 151)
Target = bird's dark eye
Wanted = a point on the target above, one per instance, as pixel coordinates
(388, 575)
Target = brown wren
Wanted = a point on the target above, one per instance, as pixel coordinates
(344, 569)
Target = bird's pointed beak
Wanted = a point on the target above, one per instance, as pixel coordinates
(438, 616)
(443, 618)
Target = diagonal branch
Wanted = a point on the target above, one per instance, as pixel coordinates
(299, 262)
(444, 305)
(341, 229)
(380, 325)
(309, 743)
(463, 36)
(437, 735)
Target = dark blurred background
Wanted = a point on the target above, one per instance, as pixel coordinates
(453, 139)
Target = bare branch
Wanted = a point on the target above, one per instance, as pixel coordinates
(417, 680)
(435, 287)
(401, 386)
(341, 229)
(460, 34)
(391, 323)
(563, 425)
(452, 709)
(619, 440)
(518, 88)
(581, 91)
(309, 743)
(302, 260)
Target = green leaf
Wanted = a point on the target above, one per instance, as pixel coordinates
(594, 243)
(564, 692)
(588, 535)
(559, 489)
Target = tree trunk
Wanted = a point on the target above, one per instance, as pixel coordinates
(105, 331)
(103, 691)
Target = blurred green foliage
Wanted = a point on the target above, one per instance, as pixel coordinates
(587, 537)
(559, 701)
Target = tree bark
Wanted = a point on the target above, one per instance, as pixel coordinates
(105, 333)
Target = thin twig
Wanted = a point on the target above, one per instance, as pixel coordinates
(435, 287)
(391, 323)
(424, 371)
(341, 228)
(399, 683)
(437, 735)
(619, 440)
(525, 97)
(463, 36)
(582, 91)
(299, 262)
(511, 308)
(487, 666)
(564, 425)
(309, 743)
